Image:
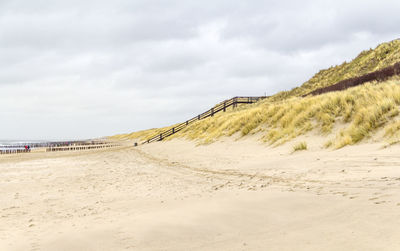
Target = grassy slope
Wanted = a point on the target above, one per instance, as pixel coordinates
(361, 110)
(382, 56)
(140, 135)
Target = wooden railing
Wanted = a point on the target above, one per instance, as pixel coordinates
(380, 75)
(55, 146)
(79, 147)
(218, 108)
(14, 151)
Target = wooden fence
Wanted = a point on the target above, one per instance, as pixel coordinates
(14, 151)
(57, 146)
(79, 147)
(380, 75)
(218, 108)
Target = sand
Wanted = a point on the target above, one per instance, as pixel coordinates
(230, 195)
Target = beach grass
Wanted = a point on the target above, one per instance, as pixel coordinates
(360, 110)
(301, 146)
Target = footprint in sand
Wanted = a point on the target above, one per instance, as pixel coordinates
(344, 194)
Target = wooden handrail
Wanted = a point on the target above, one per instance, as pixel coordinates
(209, 113)
(379, 75)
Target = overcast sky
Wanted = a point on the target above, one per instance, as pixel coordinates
(81, 69)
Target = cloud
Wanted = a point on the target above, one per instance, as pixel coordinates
(81, 69)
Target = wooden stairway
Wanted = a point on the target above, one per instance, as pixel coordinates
(218, 108)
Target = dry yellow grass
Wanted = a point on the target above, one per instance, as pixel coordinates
(384, 55)
(362, 110)
(140, 135)
(392, 132)
(300, 146)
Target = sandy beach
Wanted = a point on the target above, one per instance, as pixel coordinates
(175, 195)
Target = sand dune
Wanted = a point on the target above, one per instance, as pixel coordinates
(225, 196)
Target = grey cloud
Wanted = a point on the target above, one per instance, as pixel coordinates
(79, 69)
(309, 25)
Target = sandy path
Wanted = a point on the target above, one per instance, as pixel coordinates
(175, 196)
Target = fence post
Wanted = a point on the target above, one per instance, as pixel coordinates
(224, 106)
(212, 112)
(173, 130)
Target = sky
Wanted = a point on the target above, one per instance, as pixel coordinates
(84, 69)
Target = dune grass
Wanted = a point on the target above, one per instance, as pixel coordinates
(300, 146)
(362, 110)
(140, 135)
(392, 132)
(384, 55)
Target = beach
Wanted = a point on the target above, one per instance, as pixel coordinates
(177, 195)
